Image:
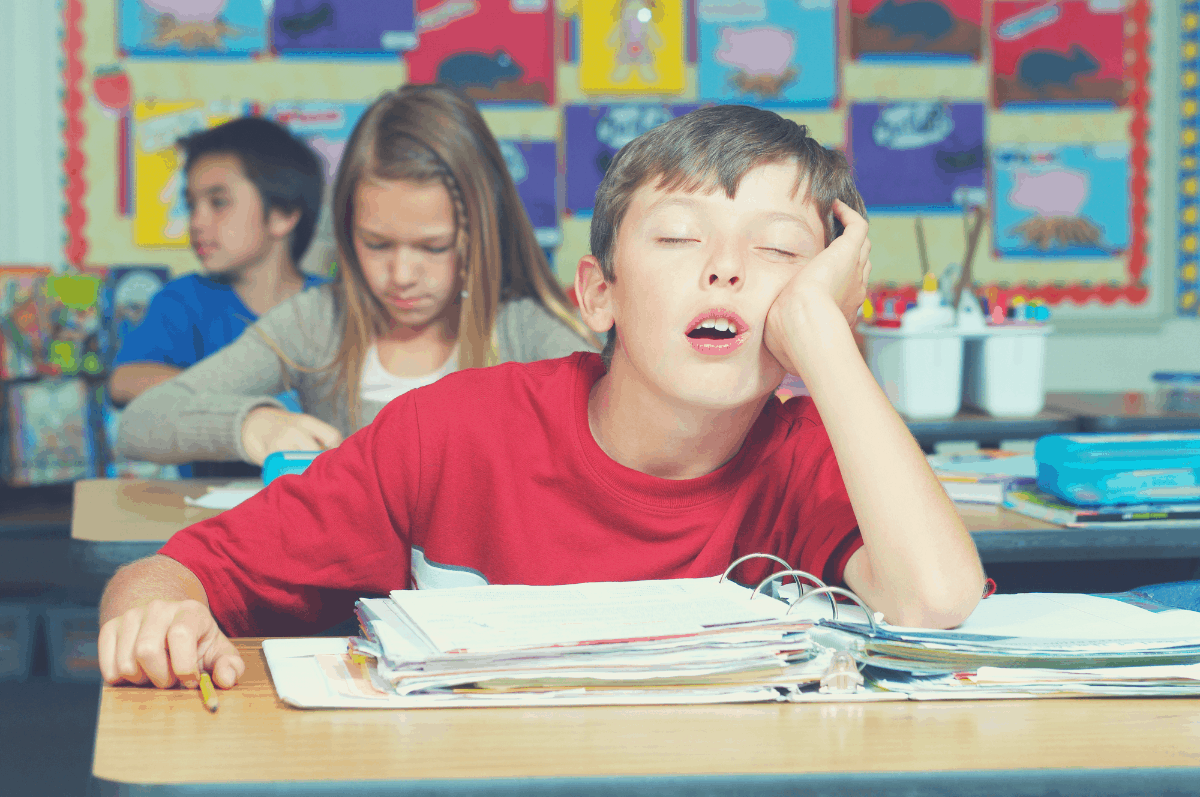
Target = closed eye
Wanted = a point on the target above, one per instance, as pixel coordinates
(773, 250)
(676, 240)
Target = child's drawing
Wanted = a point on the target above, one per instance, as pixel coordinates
(158, 27)
(767, 51)
(1061, 199)
(635, 37)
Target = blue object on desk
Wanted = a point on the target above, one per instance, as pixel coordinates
(1105, 469)
(281, 462)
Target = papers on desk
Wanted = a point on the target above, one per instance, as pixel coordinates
(1032, 645)
(226, 496)
(704, 641)
(662, 642)
(981, 476)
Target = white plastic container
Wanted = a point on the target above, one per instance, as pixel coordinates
(1004, 370)
(920, 372)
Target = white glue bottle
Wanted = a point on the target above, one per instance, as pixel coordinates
(931, 311)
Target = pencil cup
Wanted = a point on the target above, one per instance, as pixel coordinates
(1004, 370)
(920, 372)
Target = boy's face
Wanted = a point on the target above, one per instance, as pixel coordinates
(229, 231)
(695, 276)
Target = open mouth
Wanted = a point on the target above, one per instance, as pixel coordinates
(715, 329)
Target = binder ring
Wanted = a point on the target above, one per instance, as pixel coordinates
(796, 575)
(754, 556)
(830, 591)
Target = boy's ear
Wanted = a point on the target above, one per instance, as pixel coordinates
(594, 295)
(281, 223)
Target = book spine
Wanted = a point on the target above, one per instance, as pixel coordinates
(1036, 510)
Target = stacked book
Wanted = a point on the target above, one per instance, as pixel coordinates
(981, 476)
(677, 641)
(1024, 496)
(1036, 644)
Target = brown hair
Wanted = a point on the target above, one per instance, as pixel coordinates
(710, 148)
(423, 133)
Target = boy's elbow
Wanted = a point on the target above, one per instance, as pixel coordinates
(939, 606)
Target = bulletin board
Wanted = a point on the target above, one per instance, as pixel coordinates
(1039, 111)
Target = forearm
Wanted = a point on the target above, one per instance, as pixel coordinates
(153, 578)
(921, 566)
(132, 379)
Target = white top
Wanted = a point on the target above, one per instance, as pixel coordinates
(378, 384)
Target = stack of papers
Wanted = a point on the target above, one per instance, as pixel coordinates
(676, 641)
(1034, 644)
(981, 476)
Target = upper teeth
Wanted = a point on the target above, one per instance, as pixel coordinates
(719, 324)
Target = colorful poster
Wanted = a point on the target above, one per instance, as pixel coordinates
(25, 321)
(922, 154)
(158, 28)
(343, 27)
(126, 294)
(324, 126)
(1061, 199)
(74, 345)
(594, 134)
(1068, 53)
(498, 50)
(533, 166)
(768, 51)
(160, 217)
(908, 29)
(50, 432)
(631, 46)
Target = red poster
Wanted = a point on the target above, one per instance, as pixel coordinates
(1064, 53)
(494, 50)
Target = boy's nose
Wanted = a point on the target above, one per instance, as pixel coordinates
(724, 268)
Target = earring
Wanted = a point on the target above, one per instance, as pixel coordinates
(465, 293)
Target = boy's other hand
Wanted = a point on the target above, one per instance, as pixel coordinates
(167, 643)
(839, 272)
(270, 429)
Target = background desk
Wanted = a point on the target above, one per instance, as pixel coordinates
(153, 743)
(1120, 412)
(119, 520)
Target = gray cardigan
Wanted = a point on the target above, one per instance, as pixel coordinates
(198, 414)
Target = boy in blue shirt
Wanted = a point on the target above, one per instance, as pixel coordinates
(253, 195)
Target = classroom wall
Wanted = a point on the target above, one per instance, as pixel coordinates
(1081, 356)
(30, 228)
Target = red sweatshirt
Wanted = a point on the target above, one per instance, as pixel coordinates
(492, 476)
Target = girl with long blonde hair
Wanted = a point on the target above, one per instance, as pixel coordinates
(438, 269)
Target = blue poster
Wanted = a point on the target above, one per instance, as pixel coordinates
(158, 28)
(1061, 200)
(595, 133)
(343, 27)
(918, 154)
(768, 52)
(533, 166)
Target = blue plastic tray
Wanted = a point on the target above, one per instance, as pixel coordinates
(282, 462)
(1103, 469)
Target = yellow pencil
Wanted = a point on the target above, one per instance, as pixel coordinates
(208, 693)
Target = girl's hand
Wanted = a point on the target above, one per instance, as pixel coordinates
(270, 429)
(839, 272)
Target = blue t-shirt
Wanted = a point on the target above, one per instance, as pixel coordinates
(190, 318)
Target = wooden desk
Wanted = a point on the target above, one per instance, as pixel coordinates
(119, 520)
(153, 743)
(1120, 412)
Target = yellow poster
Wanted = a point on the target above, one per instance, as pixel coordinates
(160, 217)
(631, 46)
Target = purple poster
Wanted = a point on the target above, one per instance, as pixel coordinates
(534, 169)
(343, 27)
(594, 135)
(918, 154)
